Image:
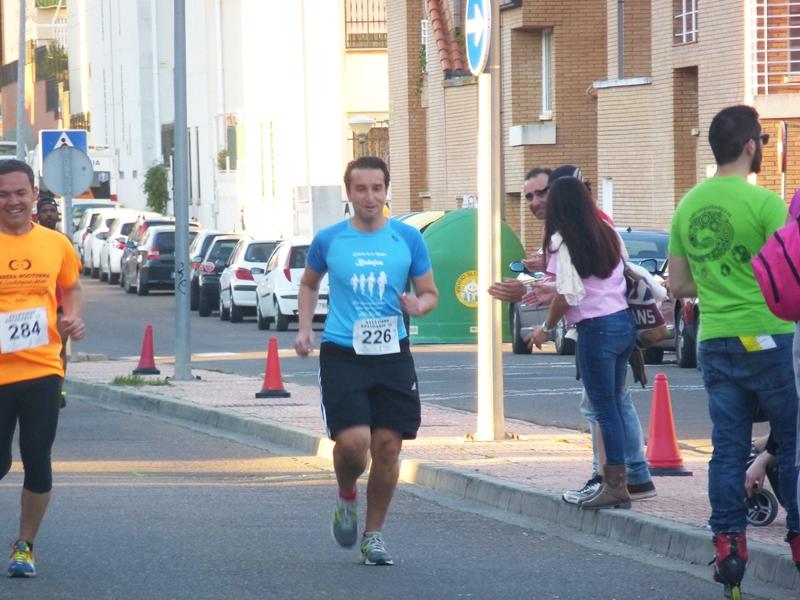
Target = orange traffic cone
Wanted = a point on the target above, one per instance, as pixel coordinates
(147, 364)
(663, 456)
(273, 382)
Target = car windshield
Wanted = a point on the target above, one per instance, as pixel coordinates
(221, 250)
(165, 241)
(645, 244)
(298, 257)
(126, 229)
(259, 252)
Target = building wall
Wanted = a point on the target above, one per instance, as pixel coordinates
(408, 90)
(627, 153)
(690, 84)
(579, 41)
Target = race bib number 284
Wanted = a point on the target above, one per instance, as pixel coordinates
(23, 330)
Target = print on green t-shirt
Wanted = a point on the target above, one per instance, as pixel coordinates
(719, 226)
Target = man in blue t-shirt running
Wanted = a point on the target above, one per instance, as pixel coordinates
(370, 396)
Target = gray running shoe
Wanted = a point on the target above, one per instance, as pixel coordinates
(373, 551)
(344, 523)
(587, 491)
(642, 491)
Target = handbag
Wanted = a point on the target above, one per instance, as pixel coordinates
(650, 324)
(777, 271)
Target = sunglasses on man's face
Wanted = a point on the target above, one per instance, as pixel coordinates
(764, 138)
(537, 193)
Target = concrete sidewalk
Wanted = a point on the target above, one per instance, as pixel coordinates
(523, 475)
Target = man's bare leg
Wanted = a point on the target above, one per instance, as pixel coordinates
(383, 475)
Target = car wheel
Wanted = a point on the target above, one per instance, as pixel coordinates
(113, 278)
(141, 287)
(653, 356)
(261, 320)
(95, 272)
(87, 270)
(281, 320)
(193, 297)
(103, 276)
(203, 304)
(684, 343)
(518, 344)
(564, 345)
(224, 315)
(237, 313)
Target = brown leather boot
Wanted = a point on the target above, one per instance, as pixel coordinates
(614, 491)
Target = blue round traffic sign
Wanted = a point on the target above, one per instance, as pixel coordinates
(479, 26)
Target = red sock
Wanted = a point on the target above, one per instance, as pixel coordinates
(348, 497)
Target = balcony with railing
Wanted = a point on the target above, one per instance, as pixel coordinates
(776, 47)
(365, 24)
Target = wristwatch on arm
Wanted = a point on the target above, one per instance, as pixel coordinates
(548, 329)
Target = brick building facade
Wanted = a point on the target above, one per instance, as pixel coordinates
(639, 132)
(653, 119)
(434, 122)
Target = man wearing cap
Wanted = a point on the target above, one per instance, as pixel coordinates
(47, 211)
(640, 484)
(47, 215)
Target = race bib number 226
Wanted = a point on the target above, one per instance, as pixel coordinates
(376, 336)
(23, 330)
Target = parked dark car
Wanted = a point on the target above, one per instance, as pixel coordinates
(687, 328)
(152, 266)
(214, 262)
(197, 251)
(137, 236)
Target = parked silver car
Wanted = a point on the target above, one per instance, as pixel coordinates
(647, 248)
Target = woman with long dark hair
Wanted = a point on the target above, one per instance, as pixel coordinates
(585, 255)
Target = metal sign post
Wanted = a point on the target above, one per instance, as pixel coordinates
(483, 45)
(783, 151)
(183, 357)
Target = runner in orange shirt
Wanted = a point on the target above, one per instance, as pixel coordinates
(33, 261)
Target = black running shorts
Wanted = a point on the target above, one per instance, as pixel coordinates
(379, 391)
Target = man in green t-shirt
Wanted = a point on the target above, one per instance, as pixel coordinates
(745, 352)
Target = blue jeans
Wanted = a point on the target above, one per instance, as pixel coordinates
(635, 459)
(737, 382)
(604, 345)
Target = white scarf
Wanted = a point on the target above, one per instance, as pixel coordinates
(568, 282)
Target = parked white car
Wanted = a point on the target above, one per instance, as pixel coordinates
(237, 283)
(99, 229)
(276, 293)
(114, 244)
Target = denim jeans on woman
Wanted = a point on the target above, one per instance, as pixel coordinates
(737, 381)
(635, 459)
(604, 345)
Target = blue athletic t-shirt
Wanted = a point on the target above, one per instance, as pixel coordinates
(366, 272)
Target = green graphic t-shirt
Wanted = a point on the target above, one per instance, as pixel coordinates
(719, 226)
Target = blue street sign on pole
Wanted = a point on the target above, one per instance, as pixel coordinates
(50, 139)
(479, 27)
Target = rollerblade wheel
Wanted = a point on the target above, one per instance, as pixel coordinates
(733, 592)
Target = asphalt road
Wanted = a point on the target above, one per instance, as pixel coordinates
(539, 388)
(147, 509)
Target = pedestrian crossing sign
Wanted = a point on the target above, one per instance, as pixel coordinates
(50, 139)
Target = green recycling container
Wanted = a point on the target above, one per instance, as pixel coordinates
(452, 243)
